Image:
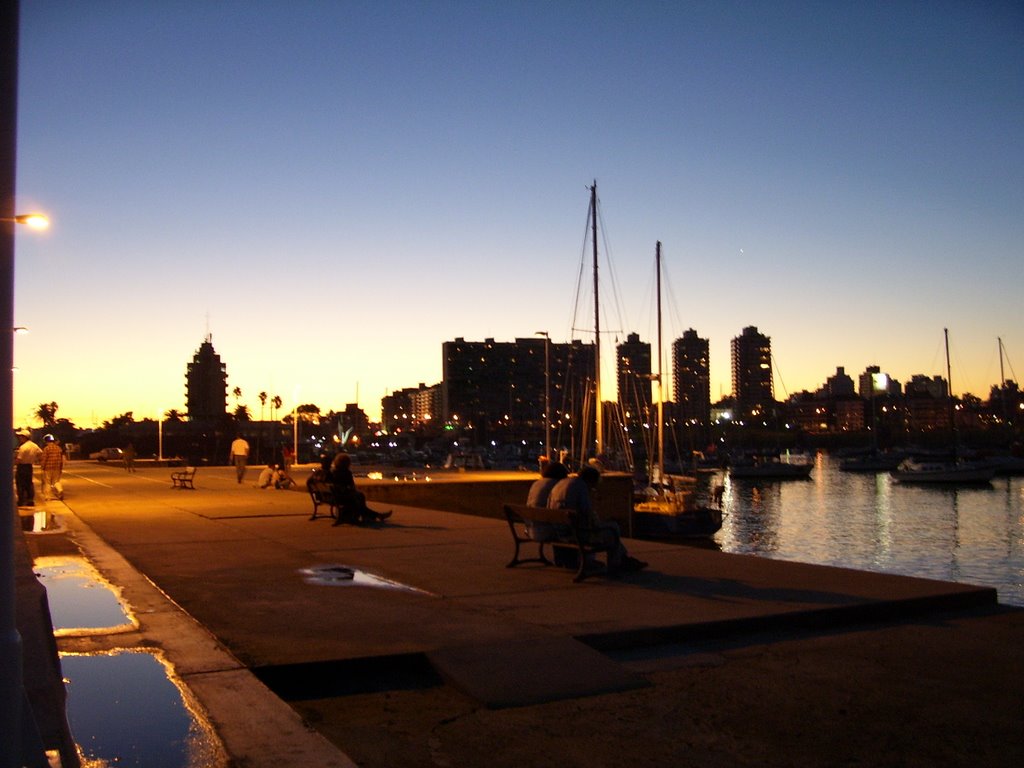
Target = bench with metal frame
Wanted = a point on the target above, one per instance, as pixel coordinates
(322, 494)
(569, 532)
(184, 479)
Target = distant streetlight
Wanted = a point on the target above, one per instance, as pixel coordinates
(547, 392)
(30, 220)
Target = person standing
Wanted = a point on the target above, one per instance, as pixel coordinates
(239, 456)
(25, 457)
(129, 457)
(51, 462)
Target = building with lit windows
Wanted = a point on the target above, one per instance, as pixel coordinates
(496, 389)
(691, 379)
(752, 372)
(633, 367)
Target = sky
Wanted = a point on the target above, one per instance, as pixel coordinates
(332, 190)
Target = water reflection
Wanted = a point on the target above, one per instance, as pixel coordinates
(79, 598)
(867, 521)
(126, 709)
(344, 575)
(41, 521)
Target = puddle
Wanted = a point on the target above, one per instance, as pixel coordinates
(80, 599)
(125, 709)
(41, 521)
(344, 575)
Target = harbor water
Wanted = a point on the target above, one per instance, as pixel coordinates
(869, 521)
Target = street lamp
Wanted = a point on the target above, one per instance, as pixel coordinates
(547, 393)
(30, 220)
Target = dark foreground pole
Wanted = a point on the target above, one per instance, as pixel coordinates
(11, 675)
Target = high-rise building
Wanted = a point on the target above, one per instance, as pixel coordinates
(633, 366)
(691, 379)
(206, 384)
(491, 385)
(752, 371)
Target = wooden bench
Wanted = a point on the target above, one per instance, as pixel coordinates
(569, 533)
(321, 492)
(184, 479)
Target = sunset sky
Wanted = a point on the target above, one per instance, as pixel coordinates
(335, 189)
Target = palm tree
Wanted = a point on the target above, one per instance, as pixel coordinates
(276, 403)
(263, 403)
(173, 415)
(47, 413)
(237, 392)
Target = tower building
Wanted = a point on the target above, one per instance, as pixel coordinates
(691, 378)
(206, 384)
(752, 371)
(633, 366)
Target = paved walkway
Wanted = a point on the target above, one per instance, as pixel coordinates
(254, 573)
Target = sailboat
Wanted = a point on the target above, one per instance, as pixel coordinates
(669, 510)
(945, 472)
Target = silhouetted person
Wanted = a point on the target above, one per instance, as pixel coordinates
(553, 472)
(129, 457)
(239, 456)
(51, 463)
(351, 503)
(574, 493)
(25, 457)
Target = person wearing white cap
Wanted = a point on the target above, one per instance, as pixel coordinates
(25, 458)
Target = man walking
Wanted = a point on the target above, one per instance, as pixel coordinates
(24, 459)
(239, 456)
(51, 462)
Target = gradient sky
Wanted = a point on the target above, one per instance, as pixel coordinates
(334, 189)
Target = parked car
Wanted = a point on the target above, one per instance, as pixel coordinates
(107, 454)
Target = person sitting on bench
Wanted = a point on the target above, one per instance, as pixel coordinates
(538, 497)
(574, 493)
(351, 503)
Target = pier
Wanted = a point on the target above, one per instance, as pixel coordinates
(451, 658)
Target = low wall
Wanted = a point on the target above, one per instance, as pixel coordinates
(483, 493)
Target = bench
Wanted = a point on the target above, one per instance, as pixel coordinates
(184, 479)
(571, 534)
(321, 492)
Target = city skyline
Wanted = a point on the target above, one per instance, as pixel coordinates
(257, 410)
(334, 190)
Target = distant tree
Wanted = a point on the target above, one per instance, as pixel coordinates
(47, 413)
(237, 393)
(263, 403)
(309, 412)
(173, 415)
(125, 419)
(275, 405)
(242, 413)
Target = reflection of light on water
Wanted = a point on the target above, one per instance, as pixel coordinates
(398, 477)
(127, 708)
(868, 521)
(344, 575)
(41, 521)
(79, 598)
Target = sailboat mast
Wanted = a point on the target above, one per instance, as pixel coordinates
(1002, 381)
(661, 392)
(949, 384)
(598, 405)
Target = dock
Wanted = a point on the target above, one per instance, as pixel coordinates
(437, 654)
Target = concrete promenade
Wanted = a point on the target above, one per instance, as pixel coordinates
(435, 663)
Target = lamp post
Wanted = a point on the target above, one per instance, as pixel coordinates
(11, 673)
(547, 392)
